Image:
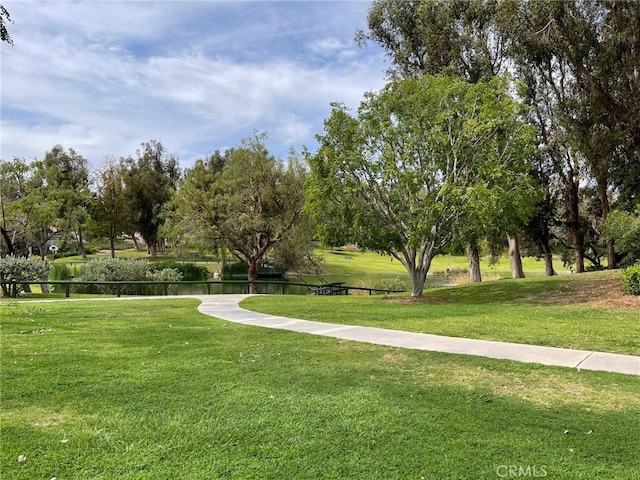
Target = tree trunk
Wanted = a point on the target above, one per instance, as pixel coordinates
(514, 257)
(112, 246)
(611, 254)
(548, 260)
(606, 208)
(418, 279)
(135, 240)
(11, 251)
(253, 265)
(83, 252)
(574, 224)
(473, 255)
(153, 248)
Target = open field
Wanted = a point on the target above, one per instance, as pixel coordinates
(151, 389)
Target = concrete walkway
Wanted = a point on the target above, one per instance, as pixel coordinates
(226, 307)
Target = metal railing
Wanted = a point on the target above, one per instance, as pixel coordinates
(240, 286)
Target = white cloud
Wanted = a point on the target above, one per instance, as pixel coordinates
(103, 77)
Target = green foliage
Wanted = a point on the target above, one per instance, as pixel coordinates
(248, 201)
(190, 271)
(395, 283)
(110, 214)
(28, 211)
(163, 275)
(67, 186)
(631, 279)
(624, 228)
(150, 182)
(16, 269)
(123, 270)
(4, 19)
(60, 271)
(234, 270)
(425, 162)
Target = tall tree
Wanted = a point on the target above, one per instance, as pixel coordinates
(249, 203)
(67, 178)
(437, 36)
(452, 37)
(419, 162)
(582, 59)
(109, 212)
(150, 182)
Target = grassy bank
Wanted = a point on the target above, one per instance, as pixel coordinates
(555, 311)
(151, 389)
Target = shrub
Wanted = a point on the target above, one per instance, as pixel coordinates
(631, 279)
(21, 269)
(125, 270)
(395, 283)
(163, 275)
(60, 271)
(190, 271)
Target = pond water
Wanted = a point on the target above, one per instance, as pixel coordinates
(305, 285)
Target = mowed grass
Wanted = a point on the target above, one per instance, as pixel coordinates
(151, 389)
(347, 262)
(538, 311)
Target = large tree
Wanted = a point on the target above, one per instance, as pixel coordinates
(437, 36)
(453, 37)
(422, 159)
(109, 213)
(67, 184)
(581, 60)
(249, 201)
(150, 182)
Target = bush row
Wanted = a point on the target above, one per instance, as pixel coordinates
(631, 279)
(125, 270)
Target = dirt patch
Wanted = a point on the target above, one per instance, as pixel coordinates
(597, 289)
(604, 290)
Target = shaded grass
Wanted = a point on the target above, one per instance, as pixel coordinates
(153, 390)
(512, 311)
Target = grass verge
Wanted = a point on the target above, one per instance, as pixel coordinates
(151, 389)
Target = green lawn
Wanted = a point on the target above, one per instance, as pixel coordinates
(151, 389)
(345, 262)
(504, 310)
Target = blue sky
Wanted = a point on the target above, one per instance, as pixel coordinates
(102, 77)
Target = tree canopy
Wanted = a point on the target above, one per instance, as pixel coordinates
(422, 160)
(247, 201)
(150, 182)
(579, 61)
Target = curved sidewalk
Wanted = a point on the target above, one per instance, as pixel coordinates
(226, 307)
